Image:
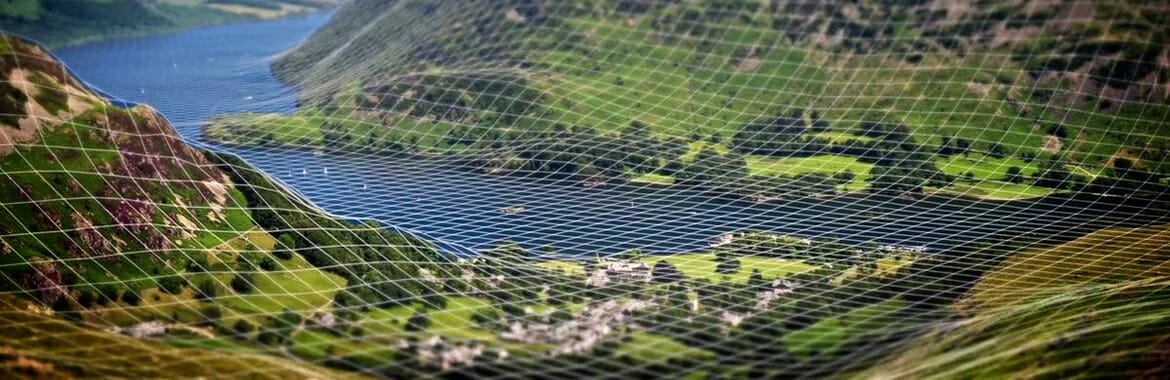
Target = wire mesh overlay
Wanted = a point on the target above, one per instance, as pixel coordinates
(619, 189)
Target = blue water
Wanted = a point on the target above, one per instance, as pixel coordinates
(190, 77)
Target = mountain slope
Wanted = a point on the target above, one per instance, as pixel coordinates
(110, 220)
(94, 183)
(37, 346)
(1010, 100)
(65, 22)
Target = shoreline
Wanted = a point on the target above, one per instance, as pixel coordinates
(593, 183)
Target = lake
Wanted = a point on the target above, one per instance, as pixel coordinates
(192, 76)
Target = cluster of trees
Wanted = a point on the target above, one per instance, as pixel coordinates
(583, 152)
(383, 265)
(500, 99)
(900, 164)
(784, 135)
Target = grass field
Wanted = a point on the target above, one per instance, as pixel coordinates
(702, 266)
(996, 190)
(653, 179)
(646, 347)
(984, 168)
(824, 164)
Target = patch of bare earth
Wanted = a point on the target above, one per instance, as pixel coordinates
(1052, 144)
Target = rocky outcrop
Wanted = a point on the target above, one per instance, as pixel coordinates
(44, 279)
(130, 185)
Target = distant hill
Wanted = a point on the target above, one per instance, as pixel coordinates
(767, 99)
(64, 22)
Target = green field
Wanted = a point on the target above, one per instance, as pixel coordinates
(701, 266)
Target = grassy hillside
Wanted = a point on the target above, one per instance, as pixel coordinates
(994, 101)
(1093, 307)
(108, 219)
(57, 23)
(37, 346)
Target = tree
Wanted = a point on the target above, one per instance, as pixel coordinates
(268, 264)
(131, 297)
(434, 298)
(418, 322)
(242, 283)
(962, 146)
(286, 248)
(108, 292)
(243, 328)
(997, 151)
(947, 148)
(86, 298)
(1014, 175)
(207, 289)
(268, 337)
(198, 263)
(211, 314)
(726, 264)
(664, 272)
(756, 280)
(171, 284)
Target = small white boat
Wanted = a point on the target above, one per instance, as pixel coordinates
(512, 210)
(325, 170)
(304, 171)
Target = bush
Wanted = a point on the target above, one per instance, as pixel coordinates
(512, 309)
(1014, 175)
(208, 289)
(131, 297)
(434, 300)
(269, 337)
(418, 322)
(482, 318)
(726, 263)
(86, 298)
(286, 248)
(242, 283)
(268, 264)
(243, 328)
(198, 264)
(211, 314)
(107, 293)
(664, 272)
(171, 284)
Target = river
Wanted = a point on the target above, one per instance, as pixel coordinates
(192, 76)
